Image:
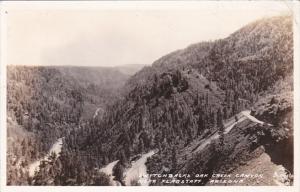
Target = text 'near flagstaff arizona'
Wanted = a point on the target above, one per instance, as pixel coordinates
(215, 113)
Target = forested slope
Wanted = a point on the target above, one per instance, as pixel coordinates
(47, 103)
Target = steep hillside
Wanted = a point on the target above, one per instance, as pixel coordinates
(251, 63)
(46, 103)
(41, 106)
(99, 85)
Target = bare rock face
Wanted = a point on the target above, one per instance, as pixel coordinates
(278, 110)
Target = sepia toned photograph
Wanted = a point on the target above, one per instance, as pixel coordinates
(136, 95)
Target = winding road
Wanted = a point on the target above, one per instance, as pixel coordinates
(56, 148)
(97, 112)
(137, 171)
(108, 170)
(228, 126)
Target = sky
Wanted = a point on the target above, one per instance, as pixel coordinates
(119, 35)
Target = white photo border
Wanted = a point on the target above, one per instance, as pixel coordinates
(6, 6)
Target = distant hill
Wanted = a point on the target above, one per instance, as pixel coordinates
(129, 69)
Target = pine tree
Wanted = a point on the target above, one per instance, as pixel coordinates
(118, 172)
(221, 133)
(174, 157)
(141, 146)
(123, 158)
(219, 117)
(225, 115)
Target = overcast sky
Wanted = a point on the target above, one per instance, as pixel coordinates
(102, 37)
